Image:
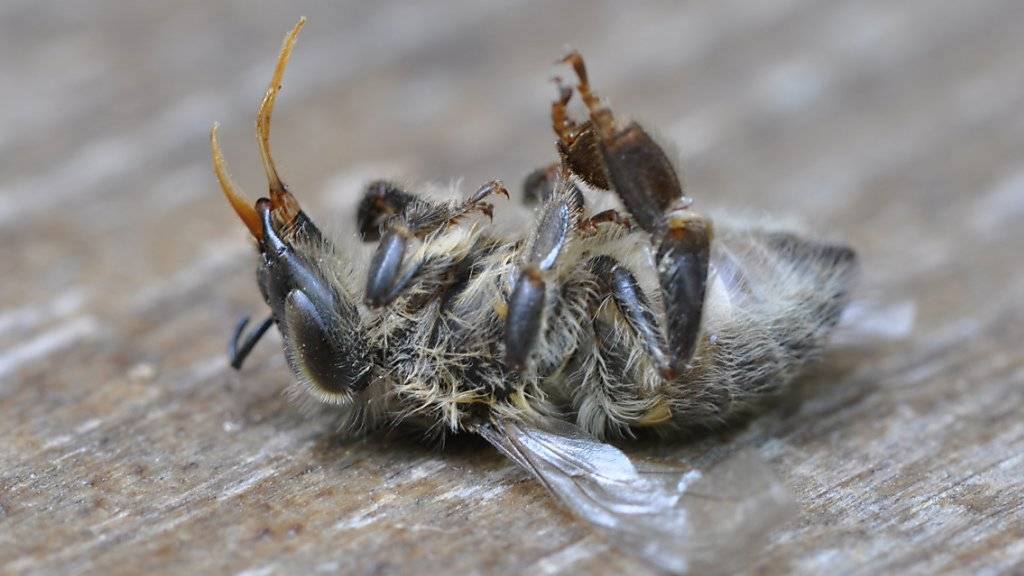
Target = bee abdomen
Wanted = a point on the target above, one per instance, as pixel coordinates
(783, 296)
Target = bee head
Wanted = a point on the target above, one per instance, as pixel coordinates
(317, 323)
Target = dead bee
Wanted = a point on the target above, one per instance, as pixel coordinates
(588, 326)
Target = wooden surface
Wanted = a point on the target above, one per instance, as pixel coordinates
(129, 446)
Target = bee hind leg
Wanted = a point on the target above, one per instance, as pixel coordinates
(578, 142)
(643, 177)
(682, 262)
(683, 248)
(624, 159)
(648, 185)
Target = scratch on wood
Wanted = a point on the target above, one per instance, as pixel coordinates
(365, 516)
(1004, 202)
(569, 556)
(220, 254)
(48, 343)
(79, 431)
(28, 317)
(240, 487)
(906, 457)
(261, 571)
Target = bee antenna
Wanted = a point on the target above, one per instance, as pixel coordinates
(234, 196)
(279, 196)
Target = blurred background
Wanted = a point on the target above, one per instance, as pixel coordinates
(895, 125)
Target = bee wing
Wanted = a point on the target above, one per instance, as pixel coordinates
(678, 520)
(869, 320)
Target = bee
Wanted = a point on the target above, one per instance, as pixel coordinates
(584, 326)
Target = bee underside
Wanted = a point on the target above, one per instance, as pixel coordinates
(588, 325)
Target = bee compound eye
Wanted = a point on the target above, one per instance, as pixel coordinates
(332, 367)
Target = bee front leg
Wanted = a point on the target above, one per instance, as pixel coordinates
(381, 200)
(441, 216)
(390, 273)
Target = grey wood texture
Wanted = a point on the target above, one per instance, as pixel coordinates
(129, 446)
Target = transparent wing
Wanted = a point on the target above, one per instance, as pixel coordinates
(870, 320)
(678, 520)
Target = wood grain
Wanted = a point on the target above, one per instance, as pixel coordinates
(129, 446)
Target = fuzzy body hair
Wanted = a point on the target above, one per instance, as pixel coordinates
(573, 304)
(773, 298)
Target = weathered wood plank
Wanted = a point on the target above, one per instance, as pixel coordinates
(130, 446)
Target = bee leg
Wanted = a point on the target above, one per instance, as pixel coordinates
(564, 126)
(625, 160)
(682, 262)
(431, 217)
(617, 281)
(577, 143)
(238, 353)
(381, 200)
(556, 220)
(600, 115)
(681, 238)
(611, 216)
(645, 180)
(389, 274)
(539, 185)
(525, 312)
(605, 395)
(386, 278)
